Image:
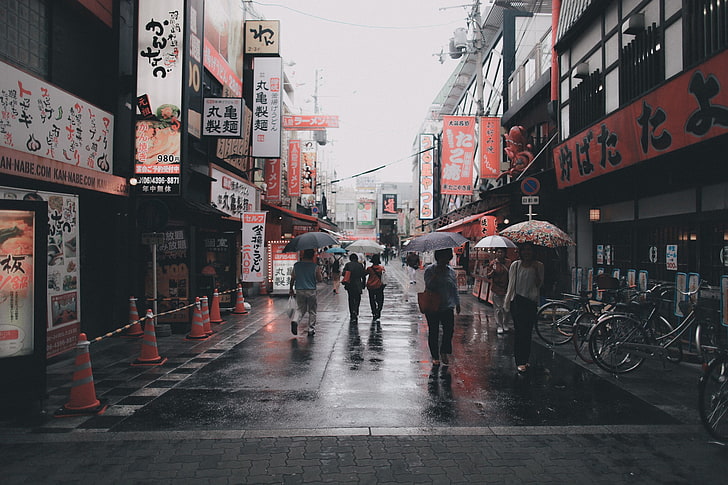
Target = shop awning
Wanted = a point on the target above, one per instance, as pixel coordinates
(470, 226)
(460, 224)
(294, 214)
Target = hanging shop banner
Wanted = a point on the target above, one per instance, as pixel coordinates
(267, 85)
(365, 212)
(294, 168)
(63, 272)
(173, 276)
(308, 174)
(458, 151)
(310, 122)
(389, 204)
(235, 151)
(253, 247)
(223, 45)
(193, 85)
(262, 37)
(427, 177)
(490, 147)
(690, 109)
(222, 117)
(273, 179)
(42, 120)
(231, 193)
(280, 266)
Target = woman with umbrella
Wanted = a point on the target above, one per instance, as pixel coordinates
(440, 278)
(525, 277)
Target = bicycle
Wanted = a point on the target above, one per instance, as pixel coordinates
(621, 341)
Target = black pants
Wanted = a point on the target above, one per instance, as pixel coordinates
(523, 312)
(376, 301)
(446, 319)
(354, 302)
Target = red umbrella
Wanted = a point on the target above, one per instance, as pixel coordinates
(540, 233)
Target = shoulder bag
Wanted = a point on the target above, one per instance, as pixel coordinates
(429, 301)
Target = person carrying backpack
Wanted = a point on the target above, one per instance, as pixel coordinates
(336, 273)
(375, 285)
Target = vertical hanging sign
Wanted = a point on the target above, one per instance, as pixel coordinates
(294, 168)
(273, 179)
(267, 85)
(490, 147)
(427, 177)
(253, 246)
(458, 150)
(159, 87)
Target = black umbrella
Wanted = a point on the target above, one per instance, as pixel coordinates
(436, 240)
(309, 240)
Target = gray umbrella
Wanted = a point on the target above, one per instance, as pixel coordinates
(309, 240)
(436, 240)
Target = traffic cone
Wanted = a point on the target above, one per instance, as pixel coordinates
(264, 288)
(197, 332)
(206, 317)
(83, 392)
(240, 303)
(215, 308)
(149, 354)
(136, 329)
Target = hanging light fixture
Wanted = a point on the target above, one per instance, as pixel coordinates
(595, 214)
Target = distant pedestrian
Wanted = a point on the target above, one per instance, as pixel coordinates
(497, 273)
(525, 278)
(304, 277)
(375, 286)
(336, 273)
(440, 278)
(387, 250)
(412, 265)
(355, 285)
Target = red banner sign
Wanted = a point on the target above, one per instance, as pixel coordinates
(273, 179)
(458, 151)
(294, 168)
(310, 122)
(690, 109)
(490, 147)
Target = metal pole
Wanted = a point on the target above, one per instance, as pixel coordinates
(154, 278)
(479, 46)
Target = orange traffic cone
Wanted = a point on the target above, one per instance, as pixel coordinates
(215, 308)
(149, 355)
(264, 288)
(206, 317)
(83, 392)
(197, 332)
(240, 303)
(136, 328)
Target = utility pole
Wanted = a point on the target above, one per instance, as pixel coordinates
(478, 45)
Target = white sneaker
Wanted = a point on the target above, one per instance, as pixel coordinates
(499, 330)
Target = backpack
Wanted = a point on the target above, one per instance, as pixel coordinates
(336, 267)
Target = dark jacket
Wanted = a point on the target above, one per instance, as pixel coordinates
(357, 280)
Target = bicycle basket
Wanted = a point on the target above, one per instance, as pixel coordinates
(606, 282)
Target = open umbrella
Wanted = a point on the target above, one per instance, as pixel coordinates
(540, 233)
(336, 251)
(309, 240)
(495, 242)
(366, 246)
(436, 240)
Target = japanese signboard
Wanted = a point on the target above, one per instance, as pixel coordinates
(458, 151)
(294, 168)
(490, 147)
(280, 266)
(310, 122)
(389, 204)
(253, 246)
(63, 273)
(427, 177)
(267, 86)
(222, 117)
(262, 37)
(273, 179)
(308, 174)
(223, 54)
(235, 151)
(232, 194)
(39, 119)
(689, 109)
(365, 212)
(193, 85)
(159, 88)
(173, 275)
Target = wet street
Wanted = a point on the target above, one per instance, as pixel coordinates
(254, 380)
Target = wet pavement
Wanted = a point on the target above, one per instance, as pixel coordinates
(355, 388)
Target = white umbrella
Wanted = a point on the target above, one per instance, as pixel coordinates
(495, 242)
(366, 246)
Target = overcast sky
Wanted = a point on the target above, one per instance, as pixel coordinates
(378, 68)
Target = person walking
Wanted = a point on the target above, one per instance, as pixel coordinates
(440, 278)
(413, 264)
(525, 277)
(375, 285)
(304, 277)
(336, 273)
(497, 273)
(355, 284)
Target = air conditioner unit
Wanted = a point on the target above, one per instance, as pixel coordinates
(582, 70)
(634, 25)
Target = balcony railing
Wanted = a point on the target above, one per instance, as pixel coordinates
(586, 102)
(643, 64)
(705, 29)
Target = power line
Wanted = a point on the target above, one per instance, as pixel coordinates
(383, 166)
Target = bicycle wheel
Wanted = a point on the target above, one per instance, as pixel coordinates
(582, 326)
(607, 339)
(662, 327)
(554, 322)
(713, 399)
